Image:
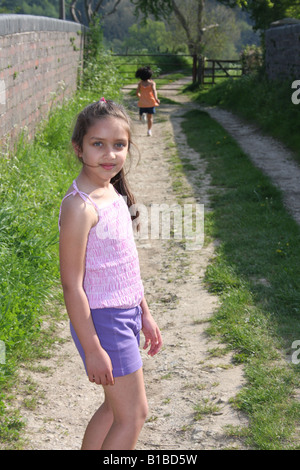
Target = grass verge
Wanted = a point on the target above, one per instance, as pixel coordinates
(256, 274)
(259, 100)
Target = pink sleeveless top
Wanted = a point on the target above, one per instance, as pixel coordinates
(147, 99)
(112, 272)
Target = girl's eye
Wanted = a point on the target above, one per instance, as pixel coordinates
(97, 144)
(121, 145)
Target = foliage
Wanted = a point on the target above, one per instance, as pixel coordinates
(157, 8)
(86, 11)
(204, 26)
(221, 42)
(123, 30)
(233, 32)
(32, 183)
(264, 12)
(116, 26)
(150, 36)
(99, 69)
(251, 59)
(35, 7)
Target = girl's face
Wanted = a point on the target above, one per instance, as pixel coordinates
(105, 147)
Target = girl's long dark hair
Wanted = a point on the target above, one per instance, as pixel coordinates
(120, 183)
(86, 118)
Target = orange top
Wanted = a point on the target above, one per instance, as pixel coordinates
(147, 99)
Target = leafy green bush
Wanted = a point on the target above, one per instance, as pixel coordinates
(100, 72)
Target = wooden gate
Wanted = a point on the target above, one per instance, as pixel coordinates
(201, 70)
(210, 70)
(161, 64)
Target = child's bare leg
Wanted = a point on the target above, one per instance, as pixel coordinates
(98, 428)
(128, 402)
(150, 121)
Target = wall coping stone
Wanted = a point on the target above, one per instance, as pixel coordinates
(284, 22)
(12, 24)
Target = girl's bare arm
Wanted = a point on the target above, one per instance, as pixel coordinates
(151, 331)
(155, 92)
(77, 218)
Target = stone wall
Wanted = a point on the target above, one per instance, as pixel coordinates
(39, 63)
(283, 50)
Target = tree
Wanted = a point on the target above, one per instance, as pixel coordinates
(264, 12)
(218, 42)
(91, 10)
(190, 14)
(151, 36)
(116, 26)
(221, 42)
(33, 7)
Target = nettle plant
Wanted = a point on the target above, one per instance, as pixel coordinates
(100, 72)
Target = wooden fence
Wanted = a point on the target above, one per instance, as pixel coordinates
(212, 69)
(202, 70)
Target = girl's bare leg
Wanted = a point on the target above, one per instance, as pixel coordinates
(117, 423)
(128, 402)
(98, 428)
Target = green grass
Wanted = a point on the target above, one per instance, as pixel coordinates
(266, 103)
(160, 65)
(256, 274)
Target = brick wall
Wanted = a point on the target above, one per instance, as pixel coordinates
(40, 59)
(283, 50)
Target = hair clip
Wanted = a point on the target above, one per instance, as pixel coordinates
(103, 100)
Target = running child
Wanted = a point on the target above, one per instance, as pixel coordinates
(100, 276)
(146, 91)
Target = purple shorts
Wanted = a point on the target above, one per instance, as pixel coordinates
(119, 333)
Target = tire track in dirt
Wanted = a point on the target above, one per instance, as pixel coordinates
(267, 154)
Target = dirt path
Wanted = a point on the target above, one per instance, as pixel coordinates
(184, 376)
(272, 157)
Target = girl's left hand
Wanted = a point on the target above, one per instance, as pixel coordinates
(152, 335)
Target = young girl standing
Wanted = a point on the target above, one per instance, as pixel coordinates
(146, 91)
(100, 277)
